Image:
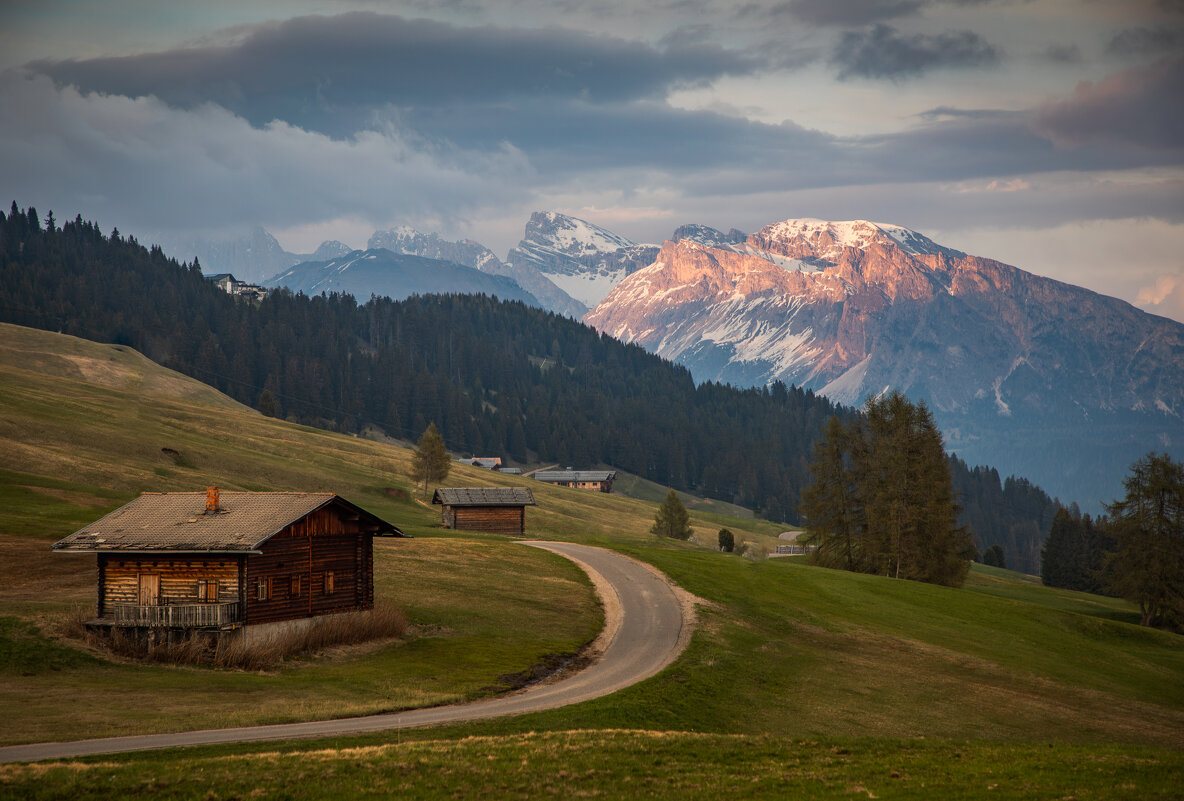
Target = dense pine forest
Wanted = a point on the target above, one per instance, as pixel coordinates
(497, 378)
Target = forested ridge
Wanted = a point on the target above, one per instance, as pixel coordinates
(497, 378)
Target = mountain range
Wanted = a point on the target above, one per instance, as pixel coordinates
(381, 272)
(1037, 377)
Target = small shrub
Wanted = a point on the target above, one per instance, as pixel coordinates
(727, 540)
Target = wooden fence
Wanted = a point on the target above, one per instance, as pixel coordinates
(187, 616)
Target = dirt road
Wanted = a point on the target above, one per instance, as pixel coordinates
(648, 623)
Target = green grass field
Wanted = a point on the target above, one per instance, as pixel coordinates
(799, 681)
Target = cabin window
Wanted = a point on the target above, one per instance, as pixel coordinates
(207, 591)
(263, 589)
(294, 587)
(329, 583)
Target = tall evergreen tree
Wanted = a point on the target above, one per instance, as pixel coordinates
(672, 519)
(430, 461)
(830, 505)
(1147, 566)
(882, 500)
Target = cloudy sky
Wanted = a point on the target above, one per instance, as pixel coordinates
(1045, 133)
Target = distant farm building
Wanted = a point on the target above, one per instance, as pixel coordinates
(599, 480)
(221, 561)
(232, 286)
(501, 510)
(488, 462)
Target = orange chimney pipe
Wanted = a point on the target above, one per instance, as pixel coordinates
(211, 499)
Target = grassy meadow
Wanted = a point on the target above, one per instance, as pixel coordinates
(799, 681)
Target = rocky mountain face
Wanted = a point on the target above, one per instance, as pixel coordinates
(1037, 377)
(582, 259)
(378, 271)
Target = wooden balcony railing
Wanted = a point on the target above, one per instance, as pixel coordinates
(187, 616)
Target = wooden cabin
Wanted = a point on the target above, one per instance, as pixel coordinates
(501, 510)
(598, 480)
(224, 560)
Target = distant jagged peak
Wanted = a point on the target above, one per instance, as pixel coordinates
(409, 241)
(571, 235)
(711, 237)
(330, 249)
(826, 239)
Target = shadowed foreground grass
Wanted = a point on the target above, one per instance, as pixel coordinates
(624, 764)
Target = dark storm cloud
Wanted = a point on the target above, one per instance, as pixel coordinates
(883, 52)
(1139, 107)
(1146, 42)
(330, 73)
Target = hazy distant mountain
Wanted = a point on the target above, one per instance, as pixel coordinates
(474, 254)
(378, 271)
(582, 259)
(331, 249)
(1035, 376)
(251, 257)
(413, 243)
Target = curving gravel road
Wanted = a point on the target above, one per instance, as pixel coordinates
(650, 630)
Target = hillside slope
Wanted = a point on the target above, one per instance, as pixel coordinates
(783, 648)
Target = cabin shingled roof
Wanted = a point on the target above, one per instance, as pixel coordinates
(575, 475)
(484, 496)
(178, 522)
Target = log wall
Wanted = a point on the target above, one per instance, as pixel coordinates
(295, 565)
(119, 579)
(496, 519)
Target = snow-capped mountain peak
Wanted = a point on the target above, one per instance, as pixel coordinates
(580, 258)
(571, 235)
(825, 240)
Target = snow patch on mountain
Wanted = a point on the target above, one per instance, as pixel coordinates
(848, 387)
(589, 288)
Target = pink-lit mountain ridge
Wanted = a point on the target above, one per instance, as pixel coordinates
(1036, 376)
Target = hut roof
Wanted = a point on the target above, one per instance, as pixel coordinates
(484, 496)
(178, 522)
(552, 476)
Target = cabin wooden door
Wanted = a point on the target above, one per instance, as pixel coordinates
(149, 589)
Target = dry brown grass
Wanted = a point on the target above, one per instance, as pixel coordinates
(384, 622)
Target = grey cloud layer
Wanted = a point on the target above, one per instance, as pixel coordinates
(382, 118)
(884, 52)
(328, 73)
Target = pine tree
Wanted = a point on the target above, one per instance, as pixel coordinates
(430, 462)
(1147, 567)
(267, 405)
(883, 501)
(672, 519)
(830, 503)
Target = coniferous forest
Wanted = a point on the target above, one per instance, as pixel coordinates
(497, 378)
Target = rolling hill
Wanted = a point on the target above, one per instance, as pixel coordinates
(783, 649)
